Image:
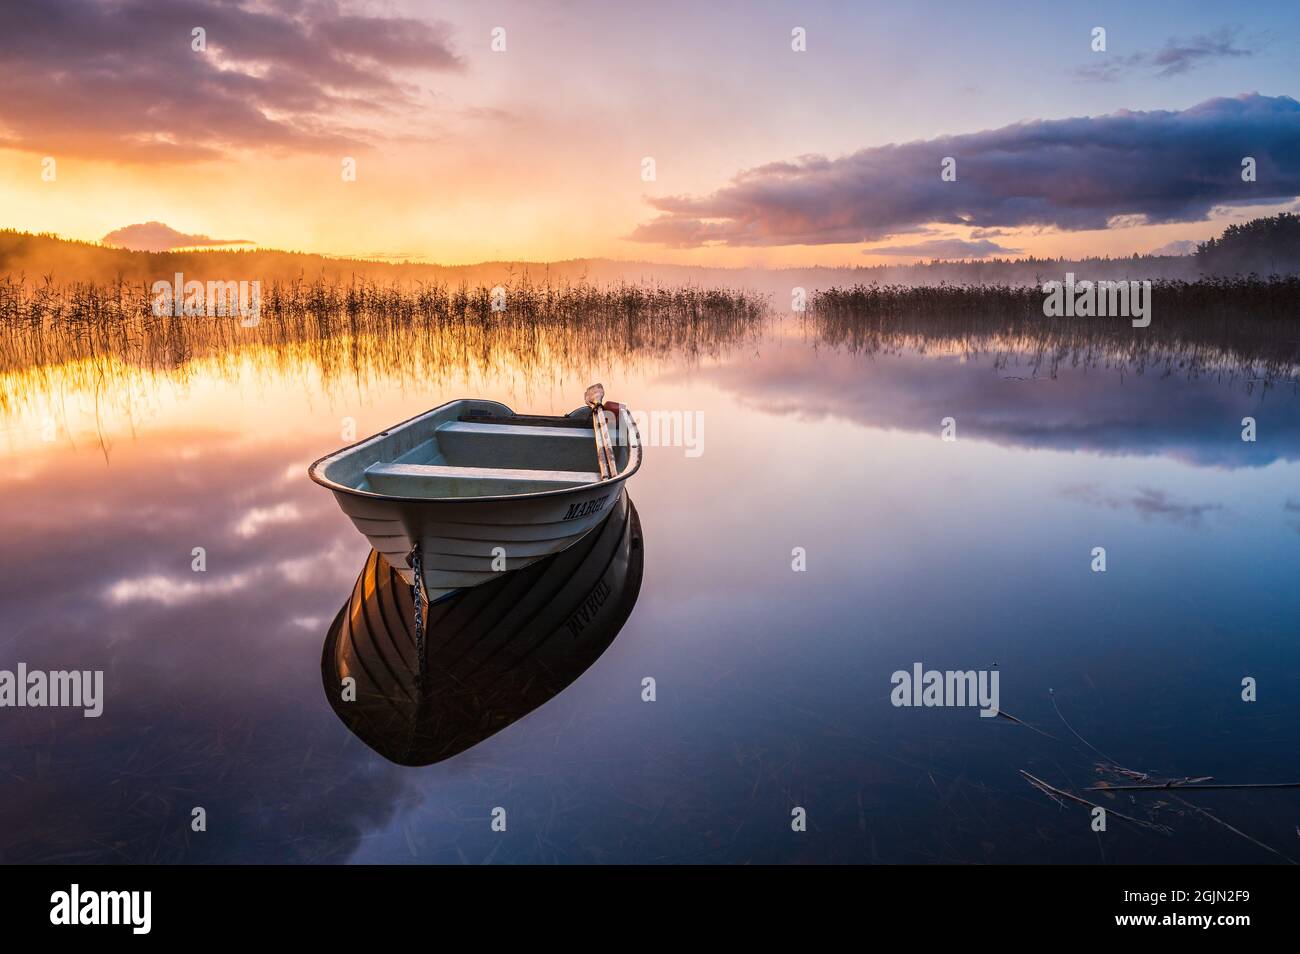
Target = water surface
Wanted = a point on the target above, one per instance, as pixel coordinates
(772, 685)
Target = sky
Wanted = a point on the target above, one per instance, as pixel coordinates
(667, 132)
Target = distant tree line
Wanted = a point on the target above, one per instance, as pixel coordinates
(1268, 246)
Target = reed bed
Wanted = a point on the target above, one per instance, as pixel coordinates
(1247, 327)
(105, 338)
(81, 333)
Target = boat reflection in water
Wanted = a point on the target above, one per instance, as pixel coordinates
(494, 653)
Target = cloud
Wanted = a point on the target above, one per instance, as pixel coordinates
(252, 522)
(1174, 58)
(156, 237)
(944, 248)
(170, 591)
(1147, 502)
(1070, 174)
(1179, 247)
(120, 80)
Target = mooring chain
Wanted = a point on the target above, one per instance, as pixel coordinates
(417, 597)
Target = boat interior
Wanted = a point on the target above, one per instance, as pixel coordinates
(477, 449)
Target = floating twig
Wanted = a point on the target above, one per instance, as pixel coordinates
(1238, 831)
(1008, 716)
(1188, 785)
(1129, 772)
(1058, 794)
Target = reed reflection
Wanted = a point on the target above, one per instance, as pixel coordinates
(106, 338)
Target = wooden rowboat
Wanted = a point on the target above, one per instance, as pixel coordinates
(472, 489)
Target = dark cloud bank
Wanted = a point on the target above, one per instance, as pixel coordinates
(1072, 174)
(120, 80)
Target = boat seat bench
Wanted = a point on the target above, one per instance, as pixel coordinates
(528, 420)
(442, 480)
(516, 430)
(515, 446)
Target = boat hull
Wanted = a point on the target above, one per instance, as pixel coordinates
(467, 542)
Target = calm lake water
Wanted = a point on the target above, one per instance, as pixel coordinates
(772, 686)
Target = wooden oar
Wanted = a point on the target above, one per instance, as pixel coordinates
(595, 399)
(606, 442)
